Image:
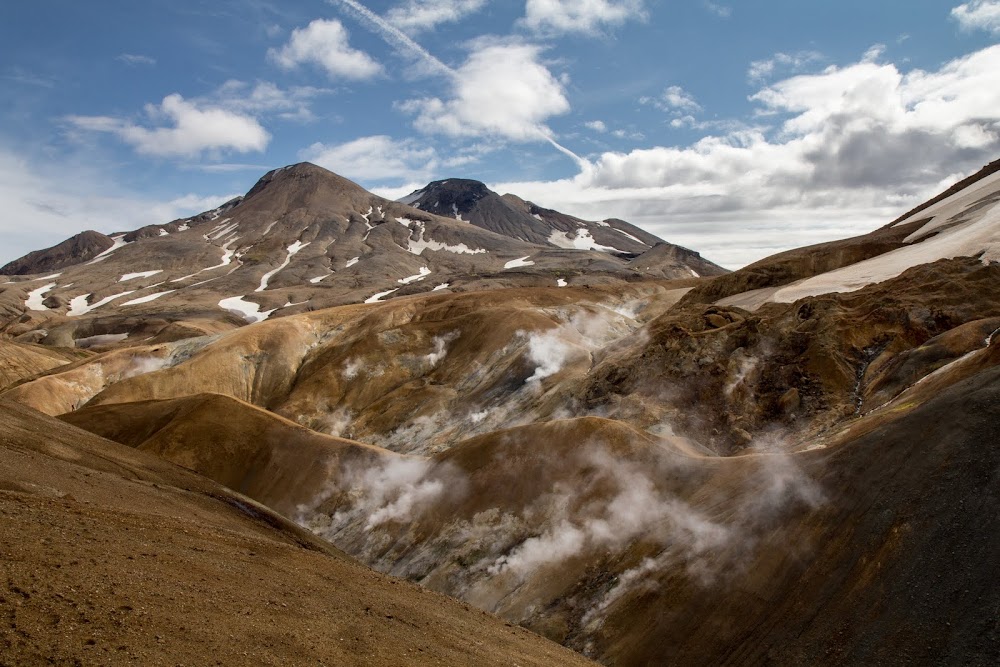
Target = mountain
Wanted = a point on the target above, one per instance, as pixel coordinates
(471, 201)
(699, 471)
(301, 239)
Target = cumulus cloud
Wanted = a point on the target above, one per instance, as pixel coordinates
(417, 15)
(375, 158)
(574, 16)
(501, 90)
(978, 15)
(596, 126)
(324, 43)
(674, 99)
(837, 152)
(186, 129)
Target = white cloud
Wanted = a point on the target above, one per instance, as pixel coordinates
(324, 43)
(856, 146)
(190, 129)
(978, 15)
(580, 16)
(722, 11)
(265, 97)
(44, 205)
(135, 59)
(416, 15)
(762, 70)
(596, 126)
(674, 99)
(375, 158)
(501, 90)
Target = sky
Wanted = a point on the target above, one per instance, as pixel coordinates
(737, 129)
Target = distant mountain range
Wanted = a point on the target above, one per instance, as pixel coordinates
(304, 238)
(793, 463)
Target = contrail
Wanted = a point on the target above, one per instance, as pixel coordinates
(396, 37)
(399, 41)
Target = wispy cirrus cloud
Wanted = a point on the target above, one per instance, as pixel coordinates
(135, 59)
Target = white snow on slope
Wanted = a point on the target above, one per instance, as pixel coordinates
(949, 206)
(35, 297)
(52, 277)
(375, 298)
(406, 222)
(269, 227)
(78, 305)
(975, 231)
(441, 287)
(319, 279)
(227, 259)
(458, 216)
(139, 274)
(424, 272)
(626, 234)
(223, 231)
(582, 241)
(184, 227)
(147, 298)
(420, 244)
(248, 310)
(351, 262)
(561, 283)
(518, 263)
(410, 199)
(119, 242)
(292, 249)
(164, 232)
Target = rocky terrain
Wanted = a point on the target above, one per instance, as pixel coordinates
(794, 463)
(303, 239)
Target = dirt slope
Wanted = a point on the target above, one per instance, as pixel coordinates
(111, 556)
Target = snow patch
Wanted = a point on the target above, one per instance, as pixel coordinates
(351, 262)
(119, 242)
(269, 228)
(627, 235)
(424, 272)
(227, 259)
(248, 310)
(79, 306)
(375, 298)
(164, 232)
(139, 274)
(52, 277)
(35, 297)
(147, 298)
(518, 263)
(441, 287)
(582, 241)
(418, 246)
(561, 283)
(292, 250)
(319, 279)
(412, 198)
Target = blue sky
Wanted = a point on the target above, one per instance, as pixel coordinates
(736, 129)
